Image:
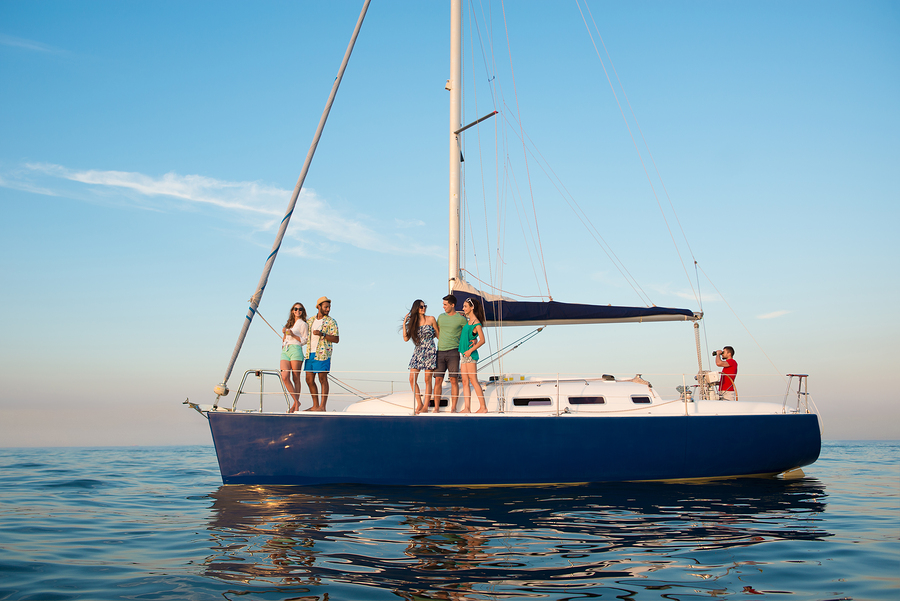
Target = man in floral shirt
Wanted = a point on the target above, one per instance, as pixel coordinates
(323, 333)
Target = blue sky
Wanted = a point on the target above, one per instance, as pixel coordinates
(149, 150)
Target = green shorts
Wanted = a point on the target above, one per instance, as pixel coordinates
(294, 352)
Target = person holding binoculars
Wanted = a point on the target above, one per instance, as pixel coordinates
(725, 359)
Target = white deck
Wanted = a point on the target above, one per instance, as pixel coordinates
(570, 397)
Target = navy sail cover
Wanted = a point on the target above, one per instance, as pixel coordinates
(511, 313)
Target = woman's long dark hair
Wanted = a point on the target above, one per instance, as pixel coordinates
(477, 309)
(412, 322)
(291, 320)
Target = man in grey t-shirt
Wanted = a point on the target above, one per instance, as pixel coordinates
(450, 325)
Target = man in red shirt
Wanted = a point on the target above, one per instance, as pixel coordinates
(725, 358)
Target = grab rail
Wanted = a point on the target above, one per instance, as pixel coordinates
(260, 373)
(802, 392)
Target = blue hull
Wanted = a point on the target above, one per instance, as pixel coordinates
(497, 450)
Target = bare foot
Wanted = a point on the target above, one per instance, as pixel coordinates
(313, 408)
(418, 408)
(482, 410)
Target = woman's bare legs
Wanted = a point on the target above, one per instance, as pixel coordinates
(414, 385)
(470, 377)
(474, 379)
(286, 378)
(297, 371)
(465, 369)
(428, 396)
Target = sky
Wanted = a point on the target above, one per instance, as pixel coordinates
(149, 150)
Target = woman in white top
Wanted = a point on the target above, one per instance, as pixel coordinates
(293, 337)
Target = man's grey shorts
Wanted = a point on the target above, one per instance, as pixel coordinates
(447, 360)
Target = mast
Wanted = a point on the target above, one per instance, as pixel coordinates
(454, 85)
(222, 389)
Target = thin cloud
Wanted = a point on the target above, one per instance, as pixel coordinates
(243, 196)
(773, 314)
(259, 204)
(689, 295)
(25, 186)
(7, 40)
(401, 223)
(683, 293)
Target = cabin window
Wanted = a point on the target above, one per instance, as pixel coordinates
(531, 402)
(444, 403)
(587, 400)
(640, 400)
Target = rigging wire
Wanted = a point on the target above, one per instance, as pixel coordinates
(500, 353)
(268, 324)
(567, 196)
(700, 296)
(523, 219)
(640, 156)
(348, 388)
(524, 150)
(582, 216)
(772, 363)
(500, 290)
(506, 185)
(461, 138)
(481, 44)
(638, 125)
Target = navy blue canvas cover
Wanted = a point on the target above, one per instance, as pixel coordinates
(509, 312)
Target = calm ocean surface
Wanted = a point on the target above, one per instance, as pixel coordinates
(156, 523)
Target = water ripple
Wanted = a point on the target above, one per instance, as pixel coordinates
(156, 523)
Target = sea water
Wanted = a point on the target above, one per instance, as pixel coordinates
(157, 523)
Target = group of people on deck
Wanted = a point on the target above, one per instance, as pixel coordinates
(459, 336)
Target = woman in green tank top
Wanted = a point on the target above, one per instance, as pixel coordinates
(471, 337)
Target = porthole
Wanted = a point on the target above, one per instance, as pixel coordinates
(532, 402)
(587, 400)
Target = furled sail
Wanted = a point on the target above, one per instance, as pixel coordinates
(501, 311)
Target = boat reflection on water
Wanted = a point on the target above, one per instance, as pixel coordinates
(458, 543)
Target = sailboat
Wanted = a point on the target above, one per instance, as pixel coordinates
(537, 430)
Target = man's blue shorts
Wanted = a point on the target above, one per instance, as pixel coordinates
(313, 366)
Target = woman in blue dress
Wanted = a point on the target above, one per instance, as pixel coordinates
(422, 330)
